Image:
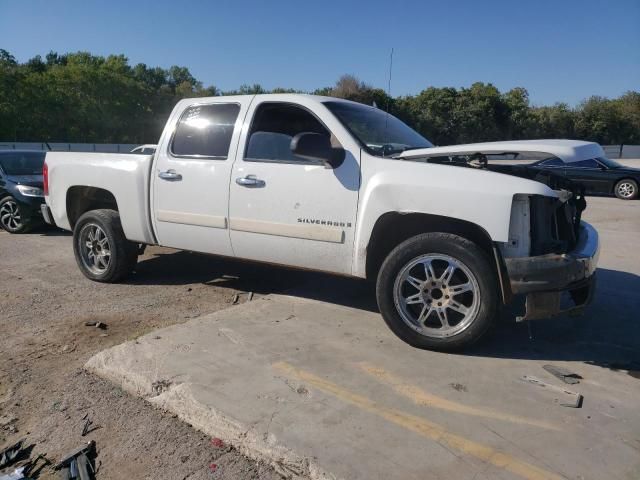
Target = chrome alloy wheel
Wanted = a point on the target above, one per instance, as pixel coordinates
(626, 189)
(94, 248)
(10, 215)
(436, 295)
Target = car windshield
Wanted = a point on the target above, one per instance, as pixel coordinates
(608, 162)
(381, 133)
(22, 163)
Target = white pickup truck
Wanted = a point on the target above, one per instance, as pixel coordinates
(332, 185)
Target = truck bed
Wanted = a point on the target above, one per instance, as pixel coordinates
(125, 175)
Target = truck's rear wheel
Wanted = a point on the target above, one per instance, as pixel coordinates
(102, 251)
(438, 291)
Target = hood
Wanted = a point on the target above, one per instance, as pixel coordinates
(566, 150)
(30, 180)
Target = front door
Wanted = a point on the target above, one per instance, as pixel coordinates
(288, 210)
(588, 173)
(191, 176)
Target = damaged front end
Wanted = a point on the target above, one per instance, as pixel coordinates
(557, 275)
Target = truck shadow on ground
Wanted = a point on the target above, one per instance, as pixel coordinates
(607, 335)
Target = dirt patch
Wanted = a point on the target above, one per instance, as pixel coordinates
(45, 308)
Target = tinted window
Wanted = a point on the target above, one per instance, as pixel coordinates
(22, 163)
(274, 126)
(552, 162)
(591, 163)
(205, 130)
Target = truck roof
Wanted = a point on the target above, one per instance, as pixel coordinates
(283, 97)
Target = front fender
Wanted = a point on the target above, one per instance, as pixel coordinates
(480, 197)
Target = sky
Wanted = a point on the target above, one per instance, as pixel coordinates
(559, 50)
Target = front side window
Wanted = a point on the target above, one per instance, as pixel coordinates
(591, 163)
(205, 131)
(274, 126)
(379, 132)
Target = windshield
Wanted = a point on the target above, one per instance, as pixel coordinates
(381, 133)
(22, 163)
(608, 162)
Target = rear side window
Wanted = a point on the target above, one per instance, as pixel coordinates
(552, 162)
(274, 126)
(205, 131)
(591, 163)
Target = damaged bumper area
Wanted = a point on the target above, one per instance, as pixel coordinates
(556, 284)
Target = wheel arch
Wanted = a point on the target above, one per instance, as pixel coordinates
(393, 228)
(81, 199)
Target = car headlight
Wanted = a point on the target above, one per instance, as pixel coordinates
(28, 191)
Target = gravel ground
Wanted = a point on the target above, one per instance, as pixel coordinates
(44, 393)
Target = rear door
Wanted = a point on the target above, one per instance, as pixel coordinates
(190, 178)
(288, 210)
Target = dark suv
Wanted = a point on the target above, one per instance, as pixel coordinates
(21, 191)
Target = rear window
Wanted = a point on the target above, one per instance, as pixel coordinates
(205, 131)
(22, 163)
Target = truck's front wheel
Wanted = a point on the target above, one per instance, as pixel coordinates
(438, 291)
(102, 251)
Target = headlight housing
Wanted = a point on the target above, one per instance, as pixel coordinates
(28, 191)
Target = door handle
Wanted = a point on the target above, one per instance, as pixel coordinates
(170, 175)
(250, 181)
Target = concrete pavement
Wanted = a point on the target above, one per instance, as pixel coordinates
(315, 384)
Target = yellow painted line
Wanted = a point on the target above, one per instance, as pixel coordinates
(426, 399)
(422, 427)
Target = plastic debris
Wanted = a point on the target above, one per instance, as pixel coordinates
(217, 442)
(569, 398)
(10, 454)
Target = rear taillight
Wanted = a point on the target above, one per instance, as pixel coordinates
(45, 178)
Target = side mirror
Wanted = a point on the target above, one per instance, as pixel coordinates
(317, 147)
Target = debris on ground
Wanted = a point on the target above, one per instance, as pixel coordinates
(100, 325)
(213, 467)
(567, 376)
(17, 474)
(217, 442)
(236, 297)
(160, 386)
(87, 427)
(571, 399)
(79, 464)
(7, 423)
(18, 453)
(458, 386)
(10, 454)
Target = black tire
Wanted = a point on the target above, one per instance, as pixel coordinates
(23, 225)
(626, 189)
(438, 246)
(123, 254)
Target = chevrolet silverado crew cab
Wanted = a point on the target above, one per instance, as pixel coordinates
(332, 185)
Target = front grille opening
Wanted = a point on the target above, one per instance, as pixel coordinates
(554, 225)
